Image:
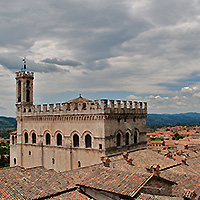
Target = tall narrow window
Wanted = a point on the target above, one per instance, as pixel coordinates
(48, 139)
(33, 138)
(88, 141)
(15, 161)
(127, 138)
(26, 137)
(13, 139)
(135, 137)
(118, 139)
(19, 92)
(76, 140)
(79, 163)
(59, 139)
(27, 91)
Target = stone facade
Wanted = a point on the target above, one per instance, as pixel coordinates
(75, 133)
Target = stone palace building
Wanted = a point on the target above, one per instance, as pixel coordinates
(75, 133)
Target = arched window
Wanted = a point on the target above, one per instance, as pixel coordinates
(53, 161)
(33, 138)
(88, 141)
(135, 137)
(48, 139)
(13, 139)
(118, 139)
(59, 139)
(27, 91)
(15, 161)
(79, 163)
(76, 140)
(26, 137)
(127, 138)
(19, 92)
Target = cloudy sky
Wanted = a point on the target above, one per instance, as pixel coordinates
(145, 50)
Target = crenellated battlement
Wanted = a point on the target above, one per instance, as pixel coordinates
(103, 106)
(22, 74)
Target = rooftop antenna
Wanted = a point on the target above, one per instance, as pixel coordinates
(24, 65)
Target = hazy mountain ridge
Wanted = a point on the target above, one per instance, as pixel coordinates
(181, 118)
(191, 117)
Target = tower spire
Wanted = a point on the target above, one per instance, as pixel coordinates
(24, 65)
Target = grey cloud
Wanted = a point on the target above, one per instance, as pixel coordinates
(61, 62)
(16, 64)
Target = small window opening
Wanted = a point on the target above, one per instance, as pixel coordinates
(100, 146)
(19, 92)
(118, 139)
(134, 119)
(59, 139)
(13, 139)
(76, 106)
(48, 139)
(124, 119)
(88, 141)
(127, 138)
(76, 140)
(118, 119)
(29, 153)
(26, 137)
(33, 138)
(84, 105)
(53, 161)
(15, 161)
(135, 137)
(79, 163)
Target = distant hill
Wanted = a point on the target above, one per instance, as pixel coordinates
(171, 119)
(8, 123)
(152, 119)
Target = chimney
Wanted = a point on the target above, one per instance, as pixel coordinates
(189, 194)
(106, 161)
(155, 169)
(125, 155)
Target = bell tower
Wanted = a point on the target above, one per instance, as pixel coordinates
(24, 87)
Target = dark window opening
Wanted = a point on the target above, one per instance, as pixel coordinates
(53, 161)
(29, 110)
(15, 161)
(68, 106)
(33, 138)
(88, 141)
(134, 119)
(79, 163)
(26, 137)
(19, 92)
(127, 138)
(100, 146)
(27, 95)
(76, 140)
(59, 139)
(118, 119)
(124, 119)
(29, 153)
(48, 140)
(24, 109)
(118, 139)
(135, 137)
(76, 106)
(84, 105)
(13, 139)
